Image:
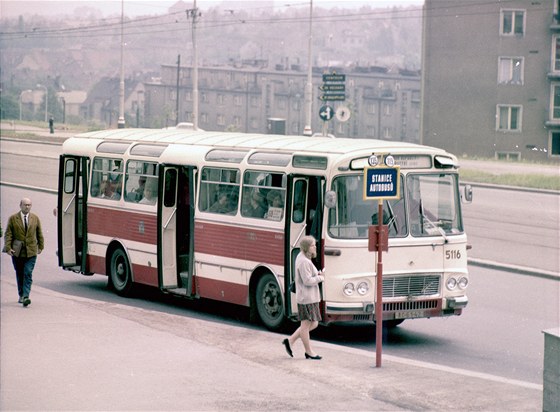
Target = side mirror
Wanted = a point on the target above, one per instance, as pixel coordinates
(330, 199)
(468, 194)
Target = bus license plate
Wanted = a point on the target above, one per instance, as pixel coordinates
(409, 314)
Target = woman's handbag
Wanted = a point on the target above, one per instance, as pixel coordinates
(293, 287)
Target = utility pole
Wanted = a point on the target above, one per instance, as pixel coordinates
(120, 123)
(309, 85)
(194, 14)
(177, 92)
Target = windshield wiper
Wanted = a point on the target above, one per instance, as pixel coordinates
(423, 216)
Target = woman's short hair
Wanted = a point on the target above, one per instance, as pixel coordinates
(306, 242)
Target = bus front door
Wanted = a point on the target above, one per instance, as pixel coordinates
(71, 203)
(175, 223)
(305, 219)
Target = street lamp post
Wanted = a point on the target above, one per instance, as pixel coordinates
(46, 101)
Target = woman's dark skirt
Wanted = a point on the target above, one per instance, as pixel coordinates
(309, 311)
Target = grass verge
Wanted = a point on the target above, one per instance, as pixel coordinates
(534, 181)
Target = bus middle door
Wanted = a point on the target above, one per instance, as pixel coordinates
(175, 223)
(305, 219)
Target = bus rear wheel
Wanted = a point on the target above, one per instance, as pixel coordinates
(269, 302)
(121, 277)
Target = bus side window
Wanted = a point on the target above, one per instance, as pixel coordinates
(219, 191)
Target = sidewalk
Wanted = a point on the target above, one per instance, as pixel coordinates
(69, 353)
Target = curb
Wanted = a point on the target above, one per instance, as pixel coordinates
(522, 270)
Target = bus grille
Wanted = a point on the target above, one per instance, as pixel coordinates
(404, 306)
(409, 286)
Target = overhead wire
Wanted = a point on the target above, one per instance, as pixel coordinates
(147, 23)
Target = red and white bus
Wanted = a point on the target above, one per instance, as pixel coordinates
(219, 216)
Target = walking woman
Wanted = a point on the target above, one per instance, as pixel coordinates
(308, 296)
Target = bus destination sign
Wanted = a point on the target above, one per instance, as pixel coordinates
(381, 183)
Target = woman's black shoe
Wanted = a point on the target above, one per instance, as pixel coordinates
(286, 343)
(316, 357)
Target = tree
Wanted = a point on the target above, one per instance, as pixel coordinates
(9, 106)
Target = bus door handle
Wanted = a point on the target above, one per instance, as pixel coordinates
(333, 252)
(69, 203)
(170, 217)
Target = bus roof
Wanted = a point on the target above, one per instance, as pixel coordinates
(289, 144)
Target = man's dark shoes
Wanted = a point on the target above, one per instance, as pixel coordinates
(316, 357)
(26, 301)
(286, 343)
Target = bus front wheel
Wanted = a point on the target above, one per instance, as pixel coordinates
(269, 302)
(121, 277)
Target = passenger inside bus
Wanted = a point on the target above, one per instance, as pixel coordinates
(150, 192)
(256, 207)
(275, 205)
(222, 205)
(107, 190)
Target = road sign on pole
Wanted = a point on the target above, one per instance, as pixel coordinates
(326, 113)
(381, 183)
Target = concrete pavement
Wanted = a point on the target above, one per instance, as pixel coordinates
(70, 353)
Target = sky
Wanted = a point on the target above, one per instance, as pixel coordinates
(132, 8)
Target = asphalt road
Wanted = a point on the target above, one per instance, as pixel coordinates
(499, 333)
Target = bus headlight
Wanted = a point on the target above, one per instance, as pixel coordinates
(451, 283)
(463, 283)
(348, 289)
(363, 288)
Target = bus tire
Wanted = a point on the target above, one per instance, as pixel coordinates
(390, 324)
(269, 302)
(120, 274)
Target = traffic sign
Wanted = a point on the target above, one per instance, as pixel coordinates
(334, 77)
(332, 97)
(342, 113)
(381, 183)
(330, 87)
(326, 113)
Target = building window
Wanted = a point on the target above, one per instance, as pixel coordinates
(204, 118)
(172, 95)
(370, 108)
(220, 99)
(254, 101)
(509, 118)
(281, 103)
(387, 133)
(237, 100)
(556, 54)
(510, 70)
(387, 109)
(188, 96)
(512, 22)
(370, 131)
(237, 121)
(204, 97)
(555, 144)
(221, 120)
(508, 155)
(254, 123)
(555, 102)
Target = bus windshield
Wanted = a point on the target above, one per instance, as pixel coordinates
(430, 199)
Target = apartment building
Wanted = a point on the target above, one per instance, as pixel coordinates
(491, 78)
(250, 97)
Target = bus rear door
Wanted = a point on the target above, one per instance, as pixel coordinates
(71, 222)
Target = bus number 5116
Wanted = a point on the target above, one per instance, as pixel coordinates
(452, 254)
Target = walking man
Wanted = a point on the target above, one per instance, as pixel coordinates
(23, 242)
